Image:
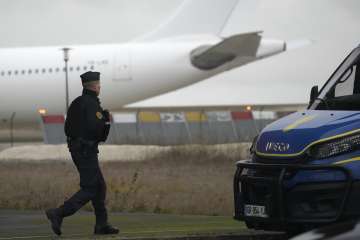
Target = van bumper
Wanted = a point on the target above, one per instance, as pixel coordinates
(259, 184)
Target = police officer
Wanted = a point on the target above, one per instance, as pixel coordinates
(86, 125)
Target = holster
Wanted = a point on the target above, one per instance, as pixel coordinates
(82, 145)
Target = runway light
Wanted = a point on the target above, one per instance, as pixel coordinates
(42, 111)
(248, 108)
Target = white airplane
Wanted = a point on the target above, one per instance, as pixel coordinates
(184, 50)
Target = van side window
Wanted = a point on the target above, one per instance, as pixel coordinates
(345, 87)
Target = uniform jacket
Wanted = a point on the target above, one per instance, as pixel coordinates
(86, 119)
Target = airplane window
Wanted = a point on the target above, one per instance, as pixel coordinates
(71, 68)
(63, 69)
(43, 70)
(77, 68)
(2, 73)
(36, 71)
(85, 68)
(30, 71)
(50, 70)
(22, 72)
(92, 67)
(57, 69)
(16, 72)
(9, 73)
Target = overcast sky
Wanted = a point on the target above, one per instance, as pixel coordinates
(63, 22)
(332, 25)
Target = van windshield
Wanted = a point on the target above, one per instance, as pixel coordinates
(342, 90)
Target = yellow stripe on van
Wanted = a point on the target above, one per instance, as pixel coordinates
(149, 117)
(347, 161)
(195, 117)
(298, 123)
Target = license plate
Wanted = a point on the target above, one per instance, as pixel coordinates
(255, 211)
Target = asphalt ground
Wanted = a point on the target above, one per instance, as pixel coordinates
(34, 225)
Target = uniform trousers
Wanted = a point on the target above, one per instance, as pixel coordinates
(92, 187)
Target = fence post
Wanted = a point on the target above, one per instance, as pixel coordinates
(12, 129)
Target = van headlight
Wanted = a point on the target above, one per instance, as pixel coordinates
(335, 147)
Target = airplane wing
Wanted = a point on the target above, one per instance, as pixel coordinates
(236, 50)
(210, 57)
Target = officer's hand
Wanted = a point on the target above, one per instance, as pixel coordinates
(106, 115)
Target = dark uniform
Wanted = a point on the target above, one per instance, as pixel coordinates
(86, 125)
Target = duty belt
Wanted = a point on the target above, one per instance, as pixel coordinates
(82, 142)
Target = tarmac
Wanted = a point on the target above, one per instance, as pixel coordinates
(133, 226)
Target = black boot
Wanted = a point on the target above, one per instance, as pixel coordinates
(105, 229)
(56, 220)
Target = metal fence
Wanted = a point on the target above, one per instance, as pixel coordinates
(172, 128)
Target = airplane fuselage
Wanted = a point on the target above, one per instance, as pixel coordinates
(34, 78)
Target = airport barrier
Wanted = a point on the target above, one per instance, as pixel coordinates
(53, 129)
(172, 128)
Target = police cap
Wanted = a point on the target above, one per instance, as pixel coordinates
(90, 77)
